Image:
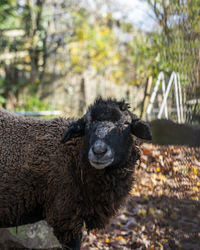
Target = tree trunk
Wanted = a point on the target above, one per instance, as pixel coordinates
(82, 97)
(146, 96)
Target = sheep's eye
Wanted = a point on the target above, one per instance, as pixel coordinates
(87, 126)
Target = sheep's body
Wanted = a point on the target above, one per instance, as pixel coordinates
(43, 179)
(30, 151)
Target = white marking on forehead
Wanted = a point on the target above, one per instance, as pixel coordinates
(104, 128)
(125, 118)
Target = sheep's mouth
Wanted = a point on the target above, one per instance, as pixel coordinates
(101, 164)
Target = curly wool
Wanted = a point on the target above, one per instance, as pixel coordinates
(43, 179)
(30, 149)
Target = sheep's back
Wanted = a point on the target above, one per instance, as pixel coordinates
(21, 137)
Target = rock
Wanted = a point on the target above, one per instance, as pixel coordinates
(8, 241)
(37, 235)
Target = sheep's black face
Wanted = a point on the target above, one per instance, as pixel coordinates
(107, 129)
(107, 142)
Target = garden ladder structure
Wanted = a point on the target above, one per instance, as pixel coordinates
(174, 78)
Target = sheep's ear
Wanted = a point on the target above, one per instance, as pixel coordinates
(141, 129)
(76, 129)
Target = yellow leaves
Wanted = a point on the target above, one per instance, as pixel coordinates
(92, 52)
(159, 244)
(27, 59)
(81, 34)
(158, 169)
(105, 31)
(75, 59)
(94, 45)
(27, 45)
(75, 48)
(107, 240)
(151, 211)
(78, 68)
(100, 44)
(120, 238)
(117, 238)
(115, 75)
(37, 80)
(195, 198)
(115, 60)
(196, 194)
(194, 171)
(158, 213)
(142, 211)
(195, 189)
(28, 68)
(133, 82)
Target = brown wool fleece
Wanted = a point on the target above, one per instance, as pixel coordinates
(40, 178)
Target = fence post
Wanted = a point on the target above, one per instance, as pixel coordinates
(146, 96)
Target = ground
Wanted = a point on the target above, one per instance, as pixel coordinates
(164, 209)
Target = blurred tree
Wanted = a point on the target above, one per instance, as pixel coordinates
(107, 46)
(97, 45)
(93, 44)
(29, 39)
(43, 40)
(22, 43)
(179, 38)
(179, 35)
(68, 37)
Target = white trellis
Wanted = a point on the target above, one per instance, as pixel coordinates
(174, 78)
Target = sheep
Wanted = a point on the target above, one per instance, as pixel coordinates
(68, 172)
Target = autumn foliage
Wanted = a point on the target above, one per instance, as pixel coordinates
(164, 209)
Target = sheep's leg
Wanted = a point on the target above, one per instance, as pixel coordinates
(74, 244)
(94, 223)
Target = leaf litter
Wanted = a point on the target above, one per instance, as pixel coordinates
(163, 211)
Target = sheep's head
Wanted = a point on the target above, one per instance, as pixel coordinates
(107, 127)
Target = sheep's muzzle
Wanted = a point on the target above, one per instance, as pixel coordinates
(100, 155)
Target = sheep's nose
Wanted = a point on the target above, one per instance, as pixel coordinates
(99, 148)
